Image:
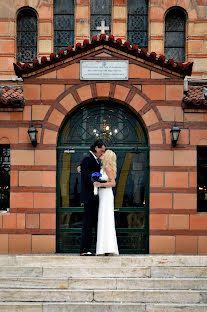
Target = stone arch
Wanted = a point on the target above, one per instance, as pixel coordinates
(38, 5)
(29, 7)
(182, 4)
(176, 7)
(116, 91)
(160, 9)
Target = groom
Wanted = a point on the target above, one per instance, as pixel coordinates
(89, 165)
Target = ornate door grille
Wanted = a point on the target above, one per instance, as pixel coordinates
(175, 24)
(26, 36)
(100, 11)
(137, 24)
(63, 24)
(115, 125)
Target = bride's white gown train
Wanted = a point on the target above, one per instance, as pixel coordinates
(106, 233)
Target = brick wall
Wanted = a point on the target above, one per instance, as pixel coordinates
(175, 225)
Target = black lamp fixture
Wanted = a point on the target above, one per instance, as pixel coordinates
(175, 131)
(32, 131)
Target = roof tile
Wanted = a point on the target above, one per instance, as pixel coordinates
(183, 69)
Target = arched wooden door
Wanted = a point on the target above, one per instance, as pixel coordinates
(124, 133)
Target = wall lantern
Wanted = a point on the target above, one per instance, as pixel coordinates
(32, 131)
(175, 131)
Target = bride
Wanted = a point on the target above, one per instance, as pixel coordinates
(106, 234)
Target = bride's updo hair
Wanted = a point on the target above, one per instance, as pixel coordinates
(109, 158)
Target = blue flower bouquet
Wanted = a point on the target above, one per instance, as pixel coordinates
(95, 177)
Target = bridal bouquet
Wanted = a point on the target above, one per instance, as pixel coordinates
(95, 177)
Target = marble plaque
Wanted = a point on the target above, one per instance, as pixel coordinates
(104, 70)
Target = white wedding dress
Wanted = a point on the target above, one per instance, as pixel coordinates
(106, 233)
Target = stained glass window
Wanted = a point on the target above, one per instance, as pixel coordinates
(26, 35)
(137, 23)
(175, 37)
(63, 24)
(100, 17)
(4, 177)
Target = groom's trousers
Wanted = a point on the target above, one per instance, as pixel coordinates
(90, 219)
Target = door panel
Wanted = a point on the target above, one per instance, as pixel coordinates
(130, 197)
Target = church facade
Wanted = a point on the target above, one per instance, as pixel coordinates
(130, 72)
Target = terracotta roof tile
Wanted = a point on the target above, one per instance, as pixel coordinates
(22, 70)
(11, 96)
(194, 98)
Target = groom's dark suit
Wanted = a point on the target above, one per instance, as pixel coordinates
(88, 165)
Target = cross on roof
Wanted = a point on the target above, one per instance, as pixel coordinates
(103, 27)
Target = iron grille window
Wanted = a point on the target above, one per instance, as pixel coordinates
(26, 35)
(63, 24)
(175, 24)
(4, 176)
(114, 124)
(137, 23)
(202, 178)
(100, 15)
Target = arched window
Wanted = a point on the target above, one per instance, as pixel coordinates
(175, 37)
(137, 23)
(100, 17)
(63, 24)
(26, 35)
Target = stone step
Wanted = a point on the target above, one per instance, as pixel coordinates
(185, 271)
(70, 272)
(72, 307)
(117, 261)
(11, 271)
(173, 308)
(99, 307)
(152, 296)
(103, 283)
(110, 272)
(33, 283)
(22, 307)
(138, 283)
(116, 296)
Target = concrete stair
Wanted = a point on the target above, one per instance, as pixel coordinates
(60, 283)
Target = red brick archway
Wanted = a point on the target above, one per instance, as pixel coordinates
(138, 101)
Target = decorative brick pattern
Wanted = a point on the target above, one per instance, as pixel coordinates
(11, 96)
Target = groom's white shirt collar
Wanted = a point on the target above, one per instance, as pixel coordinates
(96, 158)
